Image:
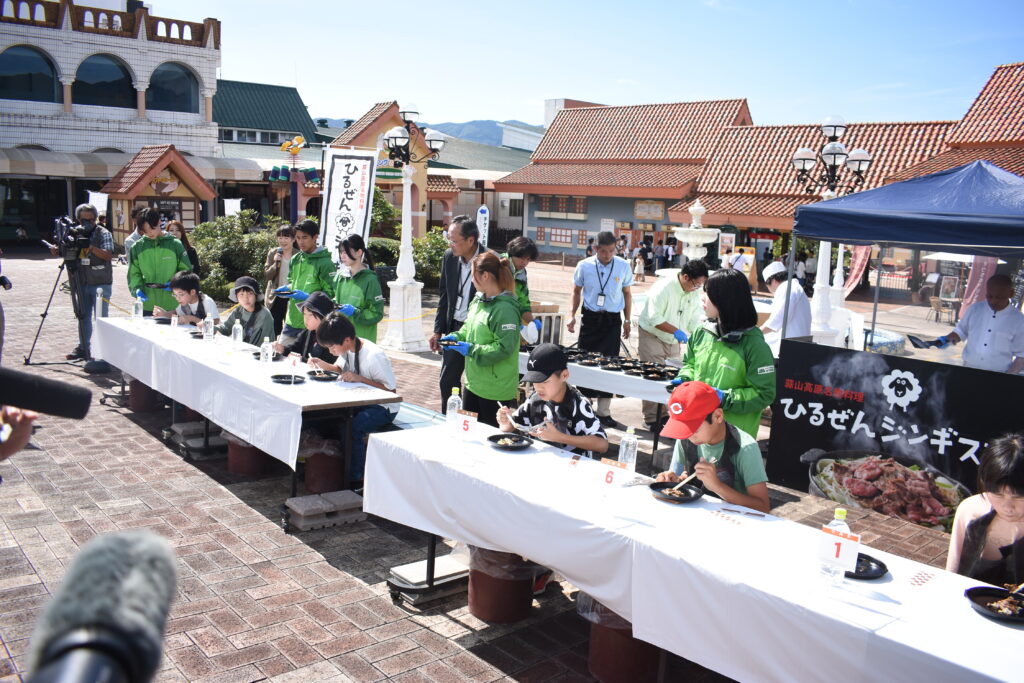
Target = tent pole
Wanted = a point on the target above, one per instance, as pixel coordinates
(878, 287)
(789, 283)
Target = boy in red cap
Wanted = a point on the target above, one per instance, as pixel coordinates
(727, 460)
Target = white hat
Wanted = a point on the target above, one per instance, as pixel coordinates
(773, 268)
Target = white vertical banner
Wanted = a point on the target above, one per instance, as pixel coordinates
(232, 206)
(348, 195)
(483, 221)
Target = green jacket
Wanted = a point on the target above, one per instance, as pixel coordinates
(308, 273)
(362, 290)
(155, 261)
(492, 365)
(253, 331)
(522, 287)
(743, 370)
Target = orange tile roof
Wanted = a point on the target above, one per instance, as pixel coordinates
(144, 166)
(683, 131)
(1007, 158)
(364, 121)
(997, 115)
(755, 160)
(745, 204)
(441, 183)
(607, 175)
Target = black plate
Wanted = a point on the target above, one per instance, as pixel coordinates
(196, 335)
(521, 441)
(868, 568)
(447, 343)
(161, 321)
(325, 376)
(690, 493)
(587, 362)
(287, 379)
(919, 343)
(276, 356)
(633, 372)
(981, 596)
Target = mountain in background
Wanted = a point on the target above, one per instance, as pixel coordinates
(483, 131)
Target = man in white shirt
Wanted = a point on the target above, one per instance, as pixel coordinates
(993, 330)
(360, 361)
(799, 323)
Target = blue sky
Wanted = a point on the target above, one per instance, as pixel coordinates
(795, 61)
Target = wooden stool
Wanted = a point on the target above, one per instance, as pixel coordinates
(324, 473)
(617, 657)
(499, 601)
(142, 399)
(247, 461)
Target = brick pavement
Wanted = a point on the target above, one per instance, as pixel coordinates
(254, 603)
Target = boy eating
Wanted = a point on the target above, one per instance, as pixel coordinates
(193, 305)
(556, 412)
(314, 309)
(727, 460)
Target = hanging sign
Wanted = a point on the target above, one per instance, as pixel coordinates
(348, 195)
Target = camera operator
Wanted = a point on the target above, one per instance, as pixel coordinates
(87, 248)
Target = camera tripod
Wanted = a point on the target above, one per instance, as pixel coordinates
(75, 305)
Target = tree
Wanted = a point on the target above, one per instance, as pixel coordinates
(383, 216)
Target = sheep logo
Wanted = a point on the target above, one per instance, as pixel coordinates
(901, 388)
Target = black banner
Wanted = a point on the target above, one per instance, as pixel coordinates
(928, 420)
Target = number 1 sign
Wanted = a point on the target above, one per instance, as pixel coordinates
(839, 548)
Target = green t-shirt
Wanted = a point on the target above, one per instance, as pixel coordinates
(747, 464)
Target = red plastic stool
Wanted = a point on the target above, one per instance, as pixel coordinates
(499, 601)
(247, 461)
(142, 399)
(617, 657)
(324, 473)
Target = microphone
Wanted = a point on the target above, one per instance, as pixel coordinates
(43, 395)
(106, 621)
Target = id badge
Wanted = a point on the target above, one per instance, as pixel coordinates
(458, 303)
(600, 300)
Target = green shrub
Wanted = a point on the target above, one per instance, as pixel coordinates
(427, 254)
(232, 246)
(384, 251)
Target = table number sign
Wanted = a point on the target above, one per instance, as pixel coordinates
(839, 548)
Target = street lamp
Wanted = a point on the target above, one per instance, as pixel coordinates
(834, 158)
(405, 332)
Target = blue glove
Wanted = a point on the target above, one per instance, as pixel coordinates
(676, 382)
(538, 324)
(140, 295)
(680, 336)
(448, 337)
(462, 347)
(347, 309)
(942, 342)
(299, 295)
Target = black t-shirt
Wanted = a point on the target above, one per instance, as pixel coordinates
(573, 416)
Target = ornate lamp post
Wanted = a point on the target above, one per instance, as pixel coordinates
(829, 182)
(405, 331)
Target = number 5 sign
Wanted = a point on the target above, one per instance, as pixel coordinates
(839, 548)
(464, 425)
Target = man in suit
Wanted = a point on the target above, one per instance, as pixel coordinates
(456, 291)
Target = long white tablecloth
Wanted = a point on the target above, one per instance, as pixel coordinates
(612, 382)
(226, 385)
(738, 594)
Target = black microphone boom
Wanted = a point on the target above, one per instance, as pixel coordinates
(106, 621)
(42, 394)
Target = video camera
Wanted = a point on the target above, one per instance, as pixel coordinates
(71, 237)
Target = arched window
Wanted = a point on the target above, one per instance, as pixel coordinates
(104, 81)
(28, 74)
(108, 150)
(35, 147)
(172, 87)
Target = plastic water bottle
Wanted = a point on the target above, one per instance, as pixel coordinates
(627, 449)
(829, 570)
(96, 310)
(208, 329)
(266, 351)
(452, 409)
(137, 309)
(236, 334)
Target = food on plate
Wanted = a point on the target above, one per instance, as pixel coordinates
(884, 485)
(678, 493)
(1012, 605)
(508, 441)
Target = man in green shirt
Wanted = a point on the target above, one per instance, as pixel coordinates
(672, 312)
(727, 460)
(153, 261)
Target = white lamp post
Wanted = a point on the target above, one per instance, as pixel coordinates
(405, 331)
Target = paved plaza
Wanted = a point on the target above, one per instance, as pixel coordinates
(253, 602)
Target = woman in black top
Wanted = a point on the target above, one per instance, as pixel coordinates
(178, 230)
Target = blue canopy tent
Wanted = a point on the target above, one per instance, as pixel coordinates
(977, 209)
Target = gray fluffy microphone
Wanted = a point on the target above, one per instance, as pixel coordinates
(109, 613)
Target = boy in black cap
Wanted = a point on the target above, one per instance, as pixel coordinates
(314, 310)
(556, 412)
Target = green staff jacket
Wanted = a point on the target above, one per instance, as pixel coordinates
(361, 290)
(741, 366)
(492, 365)
(154, 262)
(308, 273)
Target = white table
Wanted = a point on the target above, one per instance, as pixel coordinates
(738, 594)
(614, 382)
(226, 385)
